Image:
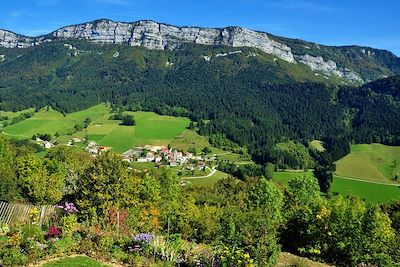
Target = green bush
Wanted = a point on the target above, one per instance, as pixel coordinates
(64, 245)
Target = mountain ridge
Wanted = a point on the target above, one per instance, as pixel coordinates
(325, 60)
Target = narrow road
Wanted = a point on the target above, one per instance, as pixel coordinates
(16, 135)
(365, 181)
(213, 171)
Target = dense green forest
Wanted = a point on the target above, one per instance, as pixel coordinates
(116, 213)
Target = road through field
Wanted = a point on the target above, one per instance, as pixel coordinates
(213, 171)
(365, 181)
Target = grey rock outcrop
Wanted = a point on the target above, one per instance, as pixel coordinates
(10, 40)
(328, 67)
(153, 35)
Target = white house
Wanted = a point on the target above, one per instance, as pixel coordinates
(142, 160)
(157, 159)
(48, 145)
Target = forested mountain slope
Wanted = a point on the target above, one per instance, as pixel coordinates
(254, 98)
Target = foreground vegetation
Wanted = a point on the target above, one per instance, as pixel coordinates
(134, 217)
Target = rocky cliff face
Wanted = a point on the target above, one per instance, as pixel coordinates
(153, 35)
(328, 67)
(12, 40)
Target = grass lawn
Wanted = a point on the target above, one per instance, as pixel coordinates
(374, 162)
(375, 193)
(188, 139)
(209, 181)
(142, 165)
(150, 128)
(11, 114)
(80, 261)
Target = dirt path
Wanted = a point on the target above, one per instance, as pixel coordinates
(365, 181)
(213, 171)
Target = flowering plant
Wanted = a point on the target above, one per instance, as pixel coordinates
(53, 232)
(68, 208)
(144, 238)
(140, 241)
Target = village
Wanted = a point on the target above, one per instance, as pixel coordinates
(159, 155)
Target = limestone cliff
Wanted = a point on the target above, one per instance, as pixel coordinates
(153, 35)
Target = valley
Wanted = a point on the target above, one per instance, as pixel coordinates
(148, 144)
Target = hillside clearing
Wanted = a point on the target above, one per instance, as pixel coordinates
(374, 162)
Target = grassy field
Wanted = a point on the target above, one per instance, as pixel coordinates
(209, 181)
(51, 121)
(150, 128)
(80, 261)
(12, 115)
(188, 139)
(191, 139)
(376, 193)
(374, 162)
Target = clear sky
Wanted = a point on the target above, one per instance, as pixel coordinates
(341, 22)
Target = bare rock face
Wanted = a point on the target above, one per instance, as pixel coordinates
(153, 35)
(328, 67)
(11, 40)
(158, 36)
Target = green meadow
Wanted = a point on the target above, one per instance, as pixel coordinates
(373, 162)
(150, 127)
(376, 193)
(208, 181)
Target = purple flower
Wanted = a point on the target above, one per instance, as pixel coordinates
(143, 238)
(68, 208)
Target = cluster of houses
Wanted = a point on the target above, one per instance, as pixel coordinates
(44, 143)
(94, 149)
(162, 156)
(157, 154)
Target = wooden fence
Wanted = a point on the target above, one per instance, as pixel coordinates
(11, 213)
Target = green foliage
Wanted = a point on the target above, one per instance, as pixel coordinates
(206, 150)
(292, 155)
(40, 180)
(304, 189)
(269, 170)
(128, 120)
(340, 230)
(107, 179)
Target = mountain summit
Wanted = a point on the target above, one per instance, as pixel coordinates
(356, 64)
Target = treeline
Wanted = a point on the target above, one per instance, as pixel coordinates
(253, 216)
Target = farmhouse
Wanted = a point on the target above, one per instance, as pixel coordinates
(48, 145)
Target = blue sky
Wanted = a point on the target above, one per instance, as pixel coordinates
(369, 22)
